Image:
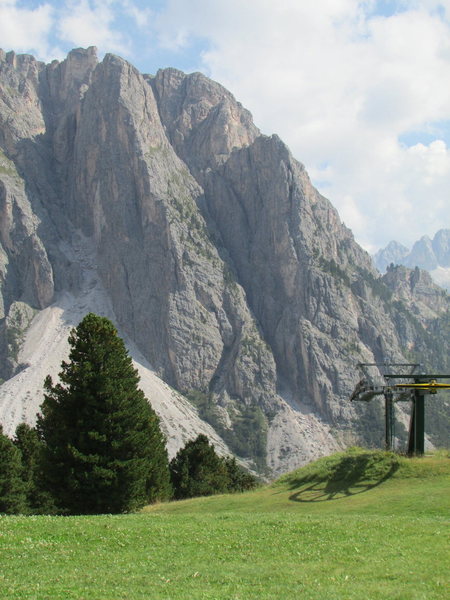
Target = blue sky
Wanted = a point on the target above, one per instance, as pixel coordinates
(359, 90)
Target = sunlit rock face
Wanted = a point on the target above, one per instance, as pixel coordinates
(218, 260)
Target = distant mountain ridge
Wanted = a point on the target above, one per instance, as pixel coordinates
(155, 201)
(432, 255)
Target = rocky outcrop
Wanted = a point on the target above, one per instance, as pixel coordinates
(394, 253)
(421, 315)
(432, 255)
(221, 263)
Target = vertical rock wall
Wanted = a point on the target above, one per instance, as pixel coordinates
(233, 276)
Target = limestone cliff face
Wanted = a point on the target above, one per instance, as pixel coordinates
(233, 276)
(202, 119)
(25, 269)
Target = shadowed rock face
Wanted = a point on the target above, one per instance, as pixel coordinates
(230, 272)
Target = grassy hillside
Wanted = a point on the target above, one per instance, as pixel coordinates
(355, 525)
(356, 481)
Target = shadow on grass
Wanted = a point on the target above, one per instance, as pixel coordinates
(349, 476)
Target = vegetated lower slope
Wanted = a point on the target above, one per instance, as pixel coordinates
(357, 480)
(357, 525)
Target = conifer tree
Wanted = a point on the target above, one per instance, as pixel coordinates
(12, 489)
(239, 479)
(27, 441)
(197, 470)
(104, 450)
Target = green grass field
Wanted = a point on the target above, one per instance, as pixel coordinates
(356, 525)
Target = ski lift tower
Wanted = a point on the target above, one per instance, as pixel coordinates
(399, 382)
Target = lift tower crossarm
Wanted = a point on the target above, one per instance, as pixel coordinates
(426, 376)
(415, 390)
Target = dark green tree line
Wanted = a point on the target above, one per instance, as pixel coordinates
(197, 470)
(38, 499)
(12, 488)
(97, 447)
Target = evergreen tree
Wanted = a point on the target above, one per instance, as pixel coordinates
(239, 479)
(197, 470)
(12, 489)
(27, 441)
(104, 450)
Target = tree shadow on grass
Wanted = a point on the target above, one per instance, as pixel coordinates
(350, 476)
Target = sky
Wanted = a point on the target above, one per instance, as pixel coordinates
(358, 90)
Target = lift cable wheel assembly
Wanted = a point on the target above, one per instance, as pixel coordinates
(392, 382)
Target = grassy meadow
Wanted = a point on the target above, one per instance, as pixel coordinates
(357, 525)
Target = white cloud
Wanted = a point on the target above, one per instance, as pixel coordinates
(91, 23)
(343, 82)
(25, 28)
(340, 84)
(141, 16)
(402, 193)
(49, 28)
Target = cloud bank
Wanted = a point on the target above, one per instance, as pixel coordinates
(359, 90)
(343, 84)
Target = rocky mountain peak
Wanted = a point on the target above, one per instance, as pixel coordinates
(422, 254)
(68, 80)
(416, 289)
(393, 253)
(202, 119)
(22, 63)
(157, 202)
(441, 247)
(430, 254)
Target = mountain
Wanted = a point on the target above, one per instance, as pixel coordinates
(245, 302)
(432, 255)
(394, 253)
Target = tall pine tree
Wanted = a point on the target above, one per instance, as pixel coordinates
(12, 488)
(104, 450)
